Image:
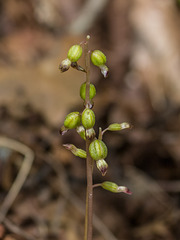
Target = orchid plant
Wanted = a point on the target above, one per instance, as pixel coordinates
(96, 150)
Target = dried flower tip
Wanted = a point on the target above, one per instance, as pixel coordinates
(98, 150)
(124, 190)
(104, 70)
(72, 120)
(77, 66)
(118, 127)
(65, 65)
(98, 58)
(89, 104)
(88, 118)
(102, 166)
(81, 131)
(63, 130)
(76, 151)
(90, 133)
(75, 53)
(113, 187)
(92, 91)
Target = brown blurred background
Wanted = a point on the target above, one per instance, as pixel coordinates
(141, 40)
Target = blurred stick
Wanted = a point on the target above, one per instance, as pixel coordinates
(87, 16)
(22, 175)
(17, 230)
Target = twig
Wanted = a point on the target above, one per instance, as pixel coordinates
(22, 174)
(89, 161)
(15, 229)
(87, 16)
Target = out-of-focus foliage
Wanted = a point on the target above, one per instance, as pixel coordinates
(141, 39)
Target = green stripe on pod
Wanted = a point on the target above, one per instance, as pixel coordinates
(113, 187)
(88, 118)
(75, 53)
(98, 58)
(98, 150)
(72, 120)
(110, 186)
(118, 126)
(92, 91)
(76, 151)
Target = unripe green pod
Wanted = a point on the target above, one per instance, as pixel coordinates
(118, 126)
(88, 118)
(98, 150)
(75, 53)
(72, 120)
(98, 58)
(113, 187)
(110, 186)
(92, 91)
(76, 151)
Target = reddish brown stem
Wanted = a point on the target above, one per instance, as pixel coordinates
(89, 161)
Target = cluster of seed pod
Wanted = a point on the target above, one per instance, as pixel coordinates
(84, 122)
(98, 58)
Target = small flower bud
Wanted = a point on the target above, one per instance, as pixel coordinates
(113, 187)
(88, 118)
(75, 53)
(65, 65)
(90, 133)
(81, 131)
(118, 127)
(104, 70)
(102, 166)
(98, 150)
(76, 151)
(72, 120)
(92, 91)
(98, 58)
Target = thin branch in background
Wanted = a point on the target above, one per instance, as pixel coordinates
(17, 230)
(22, 174)
(87, 16)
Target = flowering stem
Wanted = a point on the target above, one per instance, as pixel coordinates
(89, 161)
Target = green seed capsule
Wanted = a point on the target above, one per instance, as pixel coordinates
(118, 126)
(88, 118)
(72, 120)
(76, 151)
(113, 187)
(98, 58)
(92, 91)
(110, 186)
(75, 53)
(98, 150)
